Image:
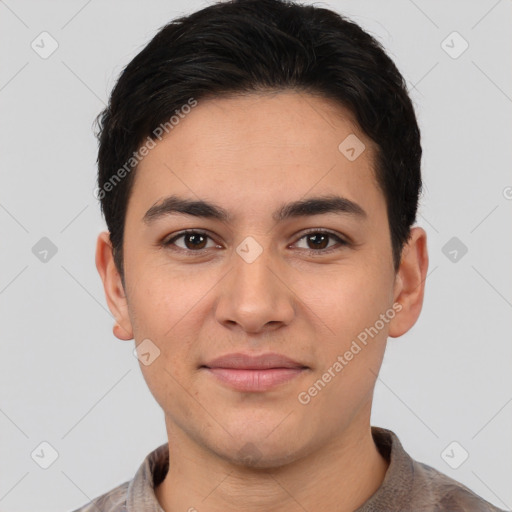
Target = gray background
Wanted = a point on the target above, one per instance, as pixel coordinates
(65, 379)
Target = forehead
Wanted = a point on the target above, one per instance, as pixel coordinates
(257, 148)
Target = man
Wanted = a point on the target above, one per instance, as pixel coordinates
(259, 172)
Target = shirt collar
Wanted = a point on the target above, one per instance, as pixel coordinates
(395, 488)
(141, 490)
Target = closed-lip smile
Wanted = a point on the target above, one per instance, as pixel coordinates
(254, 373)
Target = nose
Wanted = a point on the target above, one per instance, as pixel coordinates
(255, 295)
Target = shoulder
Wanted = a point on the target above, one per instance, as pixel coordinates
(437, 492)
(137, 493)
(413, 485)
(111, 501)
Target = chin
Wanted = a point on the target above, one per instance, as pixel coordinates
(253, 457)
(258, 451)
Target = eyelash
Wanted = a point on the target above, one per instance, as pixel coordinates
(168, 243)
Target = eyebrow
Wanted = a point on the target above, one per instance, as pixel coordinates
(208, 210)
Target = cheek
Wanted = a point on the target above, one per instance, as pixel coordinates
(164, 321)
(158, 299)
(160, 322)
(169, 387)
(350, 299)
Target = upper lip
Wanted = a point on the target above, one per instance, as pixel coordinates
(251, 362)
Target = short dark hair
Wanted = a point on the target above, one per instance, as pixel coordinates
(251, 46)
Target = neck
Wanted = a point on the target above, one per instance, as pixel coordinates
(340, 475)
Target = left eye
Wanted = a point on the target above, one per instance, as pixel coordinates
(195, 241)
(319, 239)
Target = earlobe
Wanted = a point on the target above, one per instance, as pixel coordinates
(410, 282)
(121, 333)
(113, 286)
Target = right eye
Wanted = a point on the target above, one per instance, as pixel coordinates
(194, 241)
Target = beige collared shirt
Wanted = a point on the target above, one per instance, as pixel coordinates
(409, 486)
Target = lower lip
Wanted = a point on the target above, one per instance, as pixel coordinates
(254, 380)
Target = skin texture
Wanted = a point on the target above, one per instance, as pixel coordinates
(251, 154)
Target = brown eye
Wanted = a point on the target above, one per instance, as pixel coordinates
(192, 240)
(318, 241)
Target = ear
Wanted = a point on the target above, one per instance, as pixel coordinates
(410, 282)
(113, 286)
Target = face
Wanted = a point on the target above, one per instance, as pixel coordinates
(260, 274)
